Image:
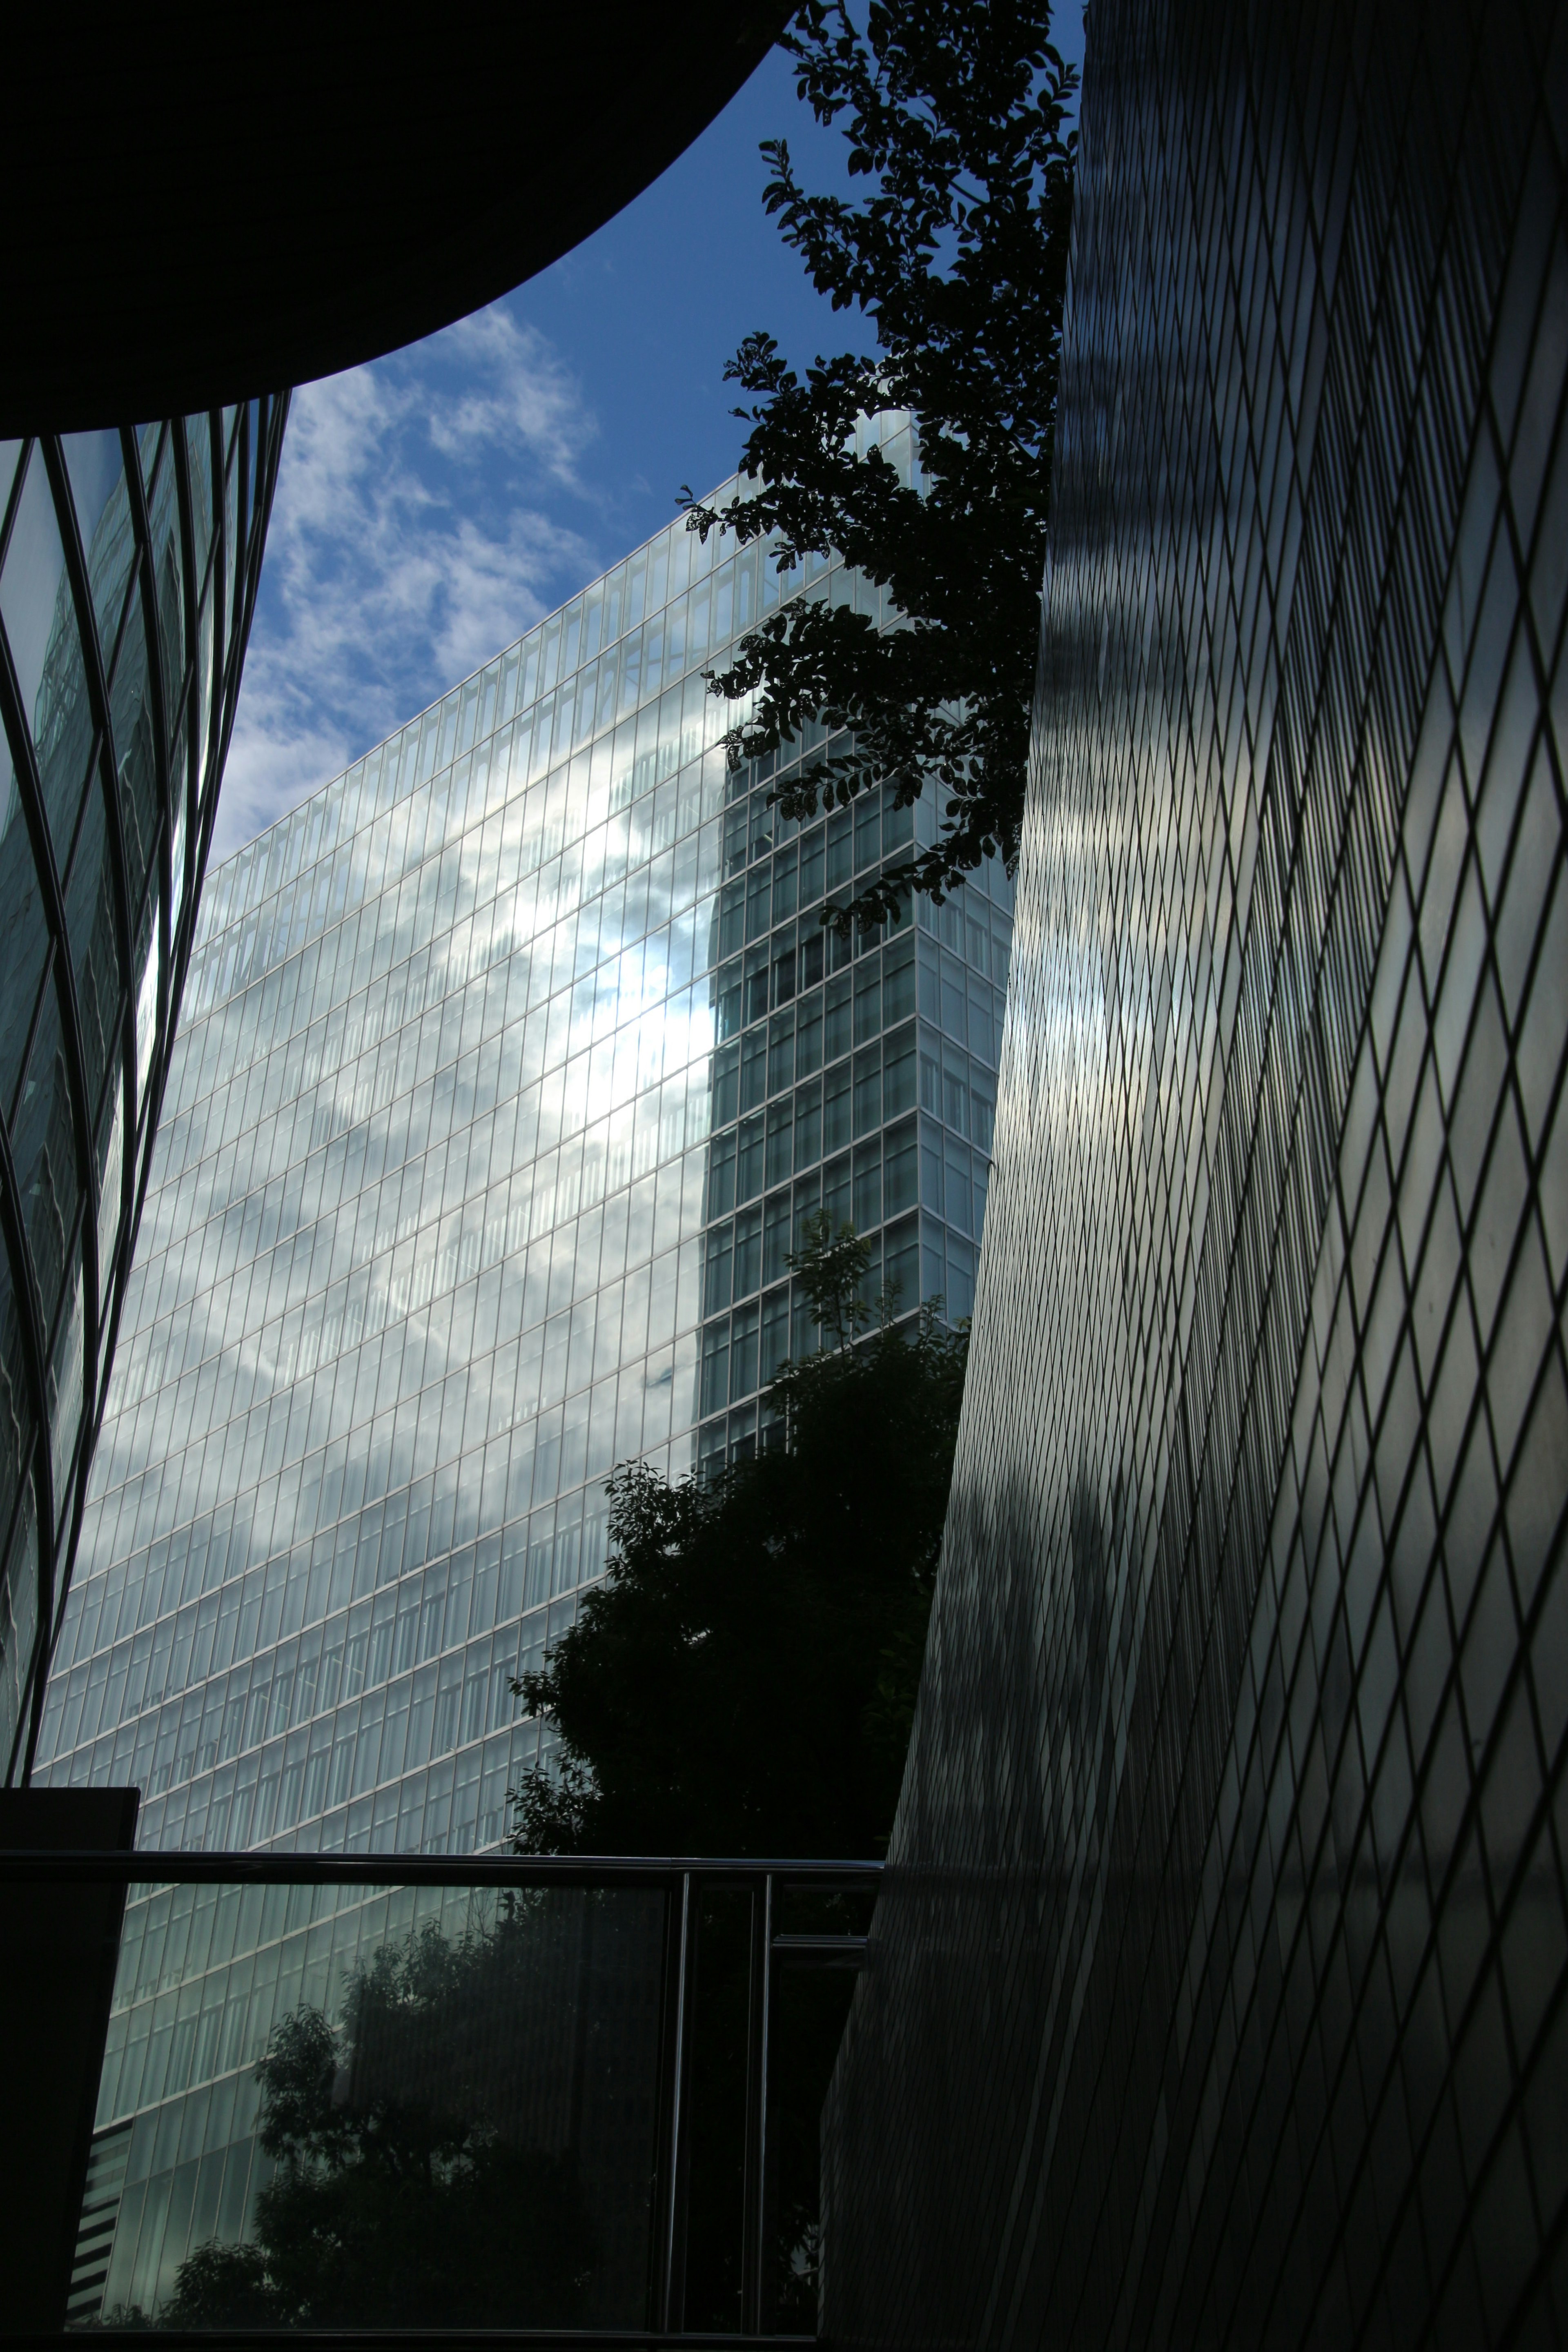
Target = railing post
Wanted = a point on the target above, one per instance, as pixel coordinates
(675, 2216)
(754, 2260)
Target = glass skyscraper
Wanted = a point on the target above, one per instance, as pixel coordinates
(128, 572)
(511, 1064)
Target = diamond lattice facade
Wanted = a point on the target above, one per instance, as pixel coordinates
(1217, 1990)
(127, 573)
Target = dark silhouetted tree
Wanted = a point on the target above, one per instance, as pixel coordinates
(397, 2200)
(743, 1682)
(956, 114)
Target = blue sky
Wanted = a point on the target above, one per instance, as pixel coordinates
(434, 505)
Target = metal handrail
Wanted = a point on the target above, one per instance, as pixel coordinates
(145, 1867)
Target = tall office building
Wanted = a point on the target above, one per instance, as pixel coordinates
(511, 1065)
(1218, 1993)
(127, 573)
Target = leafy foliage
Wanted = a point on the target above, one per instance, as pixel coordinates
(831, 1269)
(744, 1681)
(396, 2199)
(955, 111)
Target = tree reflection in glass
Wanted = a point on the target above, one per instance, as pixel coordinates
(429, 2152)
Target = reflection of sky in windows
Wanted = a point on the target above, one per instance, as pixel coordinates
(97, 811)
(511, 1065)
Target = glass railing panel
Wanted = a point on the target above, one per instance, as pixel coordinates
(818, 1940)
(713, 2283)
(310, 2094)
(370, 2107)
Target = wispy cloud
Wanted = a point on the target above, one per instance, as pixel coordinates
(518, 393)
(430, 508)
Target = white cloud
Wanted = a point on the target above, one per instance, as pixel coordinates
(522, 392)
(429, 509)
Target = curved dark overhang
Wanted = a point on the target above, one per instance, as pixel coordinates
(206, 202)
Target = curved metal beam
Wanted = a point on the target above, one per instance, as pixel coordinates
(108, 783)
(37, 1463)
(190, 681)
(30, 793)
(291, 260)
(152, 631)
(103, 748)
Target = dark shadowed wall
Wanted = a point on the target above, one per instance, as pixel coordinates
(1216, 1993)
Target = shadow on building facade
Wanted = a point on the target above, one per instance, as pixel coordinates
(1216, 1990)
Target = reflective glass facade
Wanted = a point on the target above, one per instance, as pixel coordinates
(1218, 1992)
(128, 572)
(509, 1066)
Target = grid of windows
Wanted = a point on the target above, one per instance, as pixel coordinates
(511, 1064)
(1218, 1993)
(128, 572)
(824, 1051)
